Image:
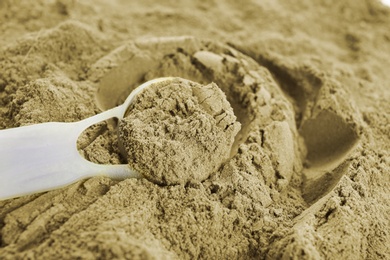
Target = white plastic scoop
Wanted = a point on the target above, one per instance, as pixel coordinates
(43, 157)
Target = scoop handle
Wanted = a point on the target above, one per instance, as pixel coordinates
(44, 156)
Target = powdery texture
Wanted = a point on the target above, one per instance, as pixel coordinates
(308, 173)
(178, 131)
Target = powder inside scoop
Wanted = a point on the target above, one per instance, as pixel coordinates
(178, 131)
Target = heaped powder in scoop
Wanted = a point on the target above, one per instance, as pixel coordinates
(178, 131)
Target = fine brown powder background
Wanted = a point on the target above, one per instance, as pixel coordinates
(305, 177)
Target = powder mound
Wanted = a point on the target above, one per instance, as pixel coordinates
(178, 131)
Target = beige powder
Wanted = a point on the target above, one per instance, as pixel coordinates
(307, 175)
(178, 131)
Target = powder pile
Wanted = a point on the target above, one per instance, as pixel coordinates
(178, 131)
(306, 176)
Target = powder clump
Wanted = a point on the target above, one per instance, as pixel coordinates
(178, 131)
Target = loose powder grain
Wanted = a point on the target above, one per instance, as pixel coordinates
(178, 131)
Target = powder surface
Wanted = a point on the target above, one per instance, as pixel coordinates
(308, 172)
(178, 131)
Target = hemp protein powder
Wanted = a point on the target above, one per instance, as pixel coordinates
(178, 131)
(308, 174)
